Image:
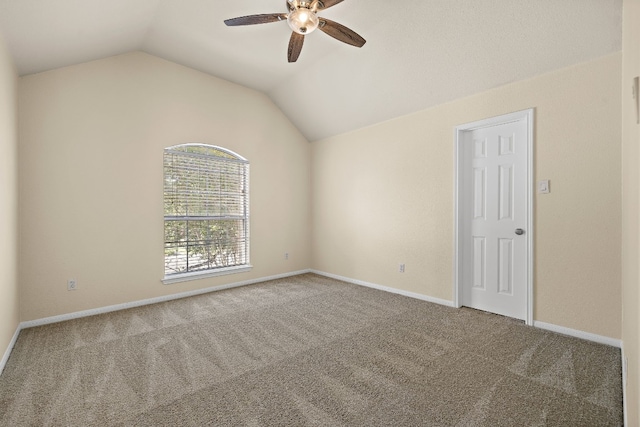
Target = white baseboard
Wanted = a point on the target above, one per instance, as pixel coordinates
(578, 334)
(139, 303)
(7, 353)
(625, 372)
(76, 315)
(124, 306)
(542, 325)
(386, 289)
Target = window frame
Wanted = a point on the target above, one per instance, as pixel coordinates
(216, 271)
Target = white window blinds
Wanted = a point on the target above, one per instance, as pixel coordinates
(206, 209)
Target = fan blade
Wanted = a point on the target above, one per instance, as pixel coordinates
(256, 19)
(326, 4)
(342, 33)
(295, 46)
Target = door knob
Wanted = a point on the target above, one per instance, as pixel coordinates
(519, 231)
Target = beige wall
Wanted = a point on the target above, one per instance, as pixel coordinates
(8, 199)
(91, 188)
(384, 195)
(631, 209)
(91, 177)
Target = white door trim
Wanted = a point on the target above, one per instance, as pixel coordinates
(528, 116)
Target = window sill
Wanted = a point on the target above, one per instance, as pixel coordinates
(197, 275)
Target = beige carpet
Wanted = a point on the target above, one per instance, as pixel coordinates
(306, 351)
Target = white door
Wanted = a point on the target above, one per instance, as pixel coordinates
(494, 217)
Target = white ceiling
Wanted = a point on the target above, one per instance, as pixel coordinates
(418, 53)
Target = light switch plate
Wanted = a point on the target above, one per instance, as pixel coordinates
(543, 187)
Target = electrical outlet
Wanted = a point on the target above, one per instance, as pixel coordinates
(72, 285)
(286, 255)
(401, 268)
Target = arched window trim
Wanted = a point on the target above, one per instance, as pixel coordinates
(209, 146)
(180, 211)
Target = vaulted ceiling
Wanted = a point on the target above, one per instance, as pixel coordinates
(418, 53)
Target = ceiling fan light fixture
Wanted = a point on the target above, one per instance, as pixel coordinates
(303, 20)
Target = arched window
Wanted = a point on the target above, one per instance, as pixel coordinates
(206, 212)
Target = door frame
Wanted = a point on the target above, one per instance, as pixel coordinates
(528, 116)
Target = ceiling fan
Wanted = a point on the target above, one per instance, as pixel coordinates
(303, 19)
